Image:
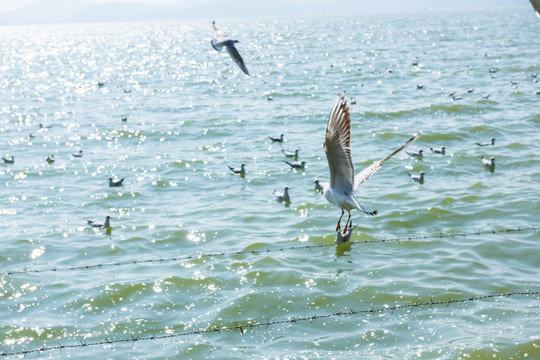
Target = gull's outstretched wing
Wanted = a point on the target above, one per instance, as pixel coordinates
(231, 49)
(337, 145)
(370, 170)
(220, 34)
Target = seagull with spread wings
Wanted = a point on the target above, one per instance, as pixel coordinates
(223, 40)
(343, 182)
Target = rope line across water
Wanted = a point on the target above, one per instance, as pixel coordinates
(242, 326)
(263, 251)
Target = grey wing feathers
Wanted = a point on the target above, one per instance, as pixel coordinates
(231, 49)
(370, 170)
(337, 145)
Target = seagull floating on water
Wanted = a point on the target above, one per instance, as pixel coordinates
(343, 238)
(223, 40)
(241, 171)
(50, 159)
(418, 178)
(293, 155)
(9, 159)
(296, 165)
(441, 151)
(318, 186)
(337, 146)
(115, 183)
(492, 142)
(276, 139)
(283, 196)
(41, 126)
(77, 154)
(107, 223)
(490, 164)
(418, 153)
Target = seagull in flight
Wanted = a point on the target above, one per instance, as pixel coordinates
(337, 146)
(223, 40)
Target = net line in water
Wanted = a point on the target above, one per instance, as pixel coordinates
(243, 326)
(262, 251)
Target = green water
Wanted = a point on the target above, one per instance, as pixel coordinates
(191, 113)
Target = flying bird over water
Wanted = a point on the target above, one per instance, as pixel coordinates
(337, 146)
(223, 40)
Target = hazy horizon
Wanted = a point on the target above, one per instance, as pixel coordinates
(63, 11)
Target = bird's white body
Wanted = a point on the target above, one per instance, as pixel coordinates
(283, 196)
(490, 164)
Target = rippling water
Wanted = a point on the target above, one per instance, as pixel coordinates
(191, 113)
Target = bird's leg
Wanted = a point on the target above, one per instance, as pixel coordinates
(347, 224)
(338, 227)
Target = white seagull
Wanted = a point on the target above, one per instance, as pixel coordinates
(283, 196)
(492, 142)
(276, 139)
(441, 151)
(337, 145)
(418, 178)
(296, 165)
(293, 155)
(418, 153)
(223, 40)
(9, 159)
(107, 223)
(241, 171)
(115, 183)
(490, 164)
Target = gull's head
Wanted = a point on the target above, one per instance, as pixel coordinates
(242, 165)
(236, 41)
